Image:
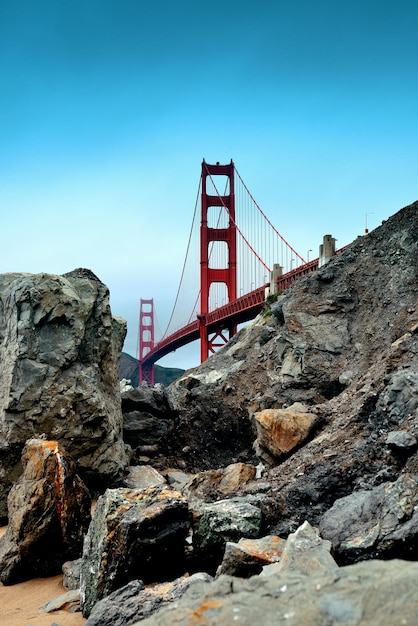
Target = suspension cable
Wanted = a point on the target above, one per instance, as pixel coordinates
(185, 259)
(267, 219)
(157, 327)
(234, 222)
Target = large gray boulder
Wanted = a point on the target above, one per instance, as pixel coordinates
(306, 552)
(134, 534)
(400, 398)
(135, 602)
(49, 515)
(147, 419)
(59, 353)
(214, 524)
(381, 522)
(364, 594)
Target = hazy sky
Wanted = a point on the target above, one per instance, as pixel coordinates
(108, 107)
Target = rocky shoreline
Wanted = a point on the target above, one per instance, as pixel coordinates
(285, 466)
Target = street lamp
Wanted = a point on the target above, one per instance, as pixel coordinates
(291, 264)
(308, 254)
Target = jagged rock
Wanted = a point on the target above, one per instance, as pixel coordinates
(134, 534)
(213, 485)
(281, 430)
(304, 552)
(213, 430)
(247, 557)
(135, 602)
(69, 601)
(49, 514)
(59, 349)
(143, 477)
(364, 594)
(120, 607)
(177, 479)
(125, 385)
(152, 399)
(147, 416)
(401, 439)
(71, 574)
(226, 520)
(400, 398)
(381, 522)
(346, 378)
(144, 429)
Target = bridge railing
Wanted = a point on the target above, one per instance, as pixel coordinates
(242, 305)
(287, 279)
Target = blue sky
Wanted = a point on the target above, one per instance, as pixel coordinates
(108, 107)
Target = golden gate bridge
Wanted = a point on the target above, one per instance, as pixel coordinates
(240, 259)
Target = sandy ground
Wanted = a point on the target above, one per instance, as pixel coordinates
(20, 604)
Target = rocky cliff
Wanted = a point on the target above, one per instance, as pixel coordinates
(60, 350)
(344, 343)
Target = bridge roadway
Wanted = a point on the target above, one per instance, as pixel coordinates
(241, 310)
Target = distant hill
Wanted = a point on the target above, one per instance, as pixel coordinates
(128, 369)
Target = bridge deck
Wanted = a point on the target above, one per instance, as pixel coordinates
(241, 310)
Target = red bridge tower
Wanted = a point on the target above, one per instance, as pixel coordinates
(146, 340)
(209, 340)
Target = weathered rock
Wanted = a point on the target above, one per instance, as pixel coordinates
(147, 416)
(401, 440)
(59, 348)
(140, 428)
(247, 557)
(381, 522)
(49, 514)
(213, 485)
(71, 574)
(125, 385)
(226, 520)
(69, 601)
(135, 602)
(281, 430)
(150, 399)
(134, 534)
(400, 398)
(213, 430)
(143, 477)
(364, 594)
(304, 552)
(177, 479)
(120, 607)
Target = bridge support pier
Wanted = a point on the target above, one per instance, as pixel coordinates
(326, 250)
(275, 274)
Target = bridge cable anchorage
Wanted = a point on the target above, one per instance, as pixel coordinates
(267, 219)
